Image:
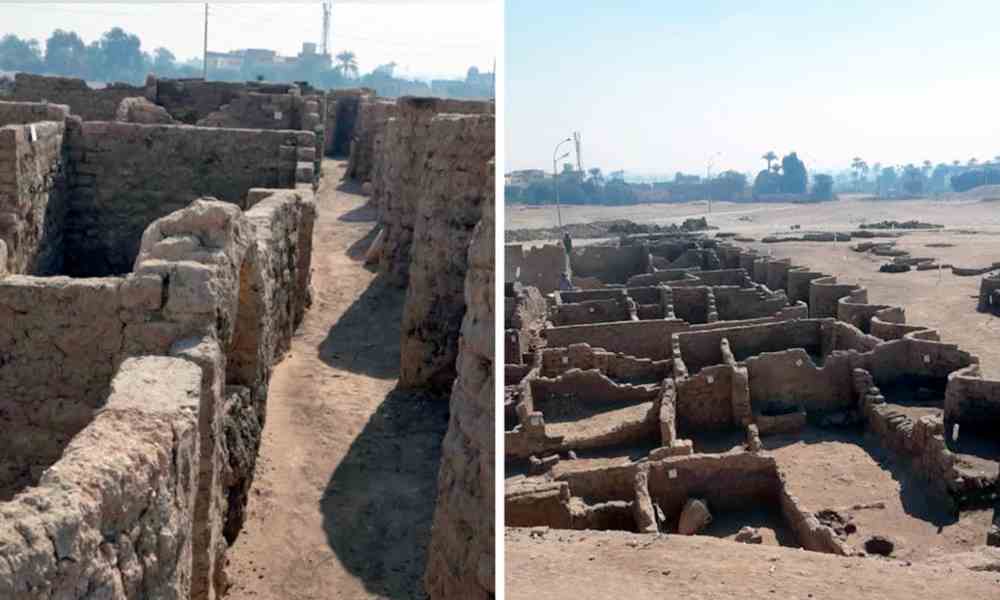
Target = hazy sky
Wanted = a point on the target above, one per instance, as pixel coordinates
(426, 38)
(663, 85)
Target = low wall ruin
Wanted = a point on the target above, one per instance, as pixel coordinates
(214, 287)
(812, 359)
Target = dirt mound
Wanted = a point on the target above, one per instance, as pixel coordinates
(901, 225)
(599, 229)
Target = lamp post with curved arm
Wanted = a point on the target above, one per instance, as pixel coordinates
(708, 177)
(555, 176)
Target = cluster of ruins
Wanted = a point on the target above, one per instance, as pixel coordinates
(685, 384)
(155, 248)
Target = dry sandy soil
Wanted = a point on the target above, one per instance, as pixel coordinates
(344, 494)
(939, 300)
(578, 565)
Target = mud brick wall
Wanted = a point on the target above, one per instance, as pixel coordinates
(799, 279)
(591, 311)
(734, 303)
(456, 183)
(691, 304)
(855, 309)
(539, 266)
(849, 337)
(398, 186)
(725, 482)
(988, 294)
(524, 318)
(824, 293)
(461, 553)
(705, 401)
(22, 113)
(703, 348)
(609, 264)
(122, 183)
(642, 339)
(33, 189)
(669, 277)
(343, 119)
(912, 356)
(191, 100)
(90, 104)
(125, 496)
(970, 399)
(60, 340)
(789, 380)
(369, 133)
(257, 111)
(619, 367)
(588, 387)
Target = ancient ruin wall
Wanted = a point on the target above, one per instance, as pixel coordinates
(989, 294)
(972, 400)
(343, 120)
(122, 183)
(397, 185)
(32, 186)
(608, 263)
(642, 339)
(115, 519)
(456, 183)
(84, 101)
(461, 553)
(539, 266)
(373, 117)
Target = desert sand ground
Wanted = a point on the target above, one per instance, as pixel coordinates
(346, 481)
(584, 565)
(940, 300)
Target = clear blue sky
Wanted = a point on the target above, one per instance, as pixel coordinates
(663, 85)
(427, 38)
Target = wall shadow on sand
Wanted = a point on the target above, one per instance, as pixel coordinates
(379, 503)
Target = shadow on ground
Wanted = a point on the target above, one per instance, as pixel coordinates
(356, 251)
(362, 214)
(349, 186)
(365, 339)
(379, 504)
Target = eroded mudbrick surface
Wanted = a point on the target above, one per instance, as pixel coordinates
(685, 384)
(155, 263)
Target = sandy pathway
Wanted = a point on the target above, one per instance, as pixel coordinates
(344, 492)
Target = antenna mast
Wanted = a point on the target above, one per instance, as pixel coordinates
(327, 9)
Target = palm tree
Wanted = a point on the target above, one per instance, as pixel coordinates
(860, 167)
(769, 157)
(348, 63)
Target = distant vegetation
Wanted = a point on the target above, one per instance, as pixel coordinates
(787, 181)
(784, 180)
(917, 180)
(118, 56)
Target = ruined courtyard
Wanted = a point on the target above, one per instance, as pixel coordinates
(707, 402)
(182, 275)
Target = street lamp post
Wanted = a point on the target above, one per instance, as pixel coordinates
(555, 176)
(708, 178)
